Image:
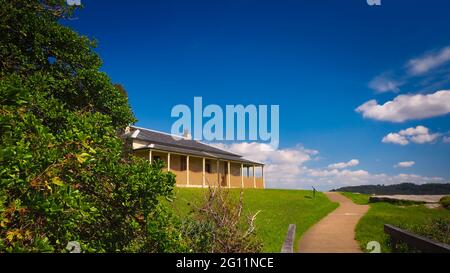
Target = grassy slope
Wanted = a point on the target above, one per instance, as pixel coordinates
(370, 227)
(360, 199)
(279, 208)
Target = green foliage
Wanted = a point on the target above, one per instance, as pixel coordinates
(199, 234)
(416, 218)
(445, 201)
(431, 223)
(437, 229)
(63, 173)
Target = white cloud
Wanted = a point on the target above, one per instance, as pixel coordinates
(342, 165)
(419, 134)
(395, 138)
(428, 61)
(263, 152)
(336, 172)
(446, 139)
(418, 130)
(285, 168)
(431, 68)
(404, 164)
(424, 138)
(408, 107)
(384, 83)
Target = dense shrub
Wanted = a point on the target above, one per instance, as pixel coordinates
(436, 229)
(445, 201)
(63, 173)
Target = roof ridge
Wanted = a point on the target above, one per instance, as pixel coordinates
(185, 138)
(161, 132)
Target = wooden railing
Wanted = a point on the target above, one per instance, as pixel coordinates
(288, 245)
(414, 241)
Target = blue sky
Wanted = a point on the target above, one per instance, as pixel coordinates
(319, 60)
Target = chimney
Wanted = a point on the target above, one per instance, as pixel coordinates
(186, 134)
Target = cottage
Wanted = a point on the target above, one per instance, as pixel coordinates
(194, 163)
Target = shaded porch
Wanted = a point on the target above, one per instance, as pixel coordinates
(200, 171)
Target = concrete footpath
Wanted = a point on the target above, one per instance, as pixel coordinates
(336, 232)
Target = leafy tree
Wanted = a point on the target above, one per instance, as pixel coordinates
(63, 172)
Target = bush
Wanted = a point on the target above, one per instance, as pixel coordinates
(445, 201)
(436, 229)
(219, 225)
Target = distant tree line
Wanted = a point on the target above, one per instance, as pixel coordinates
(403, 188)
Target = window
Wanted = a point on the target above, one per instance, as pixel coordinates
(208, 166)
(183, 166)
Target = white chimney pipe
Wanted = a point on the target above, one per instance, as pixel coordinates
(186, 134)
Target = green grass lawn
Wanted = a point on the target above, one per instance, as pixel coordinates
(360, 199)
(370, 227)
(279, 208)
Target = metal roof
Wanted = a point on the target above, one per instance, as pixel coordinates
(178, 144)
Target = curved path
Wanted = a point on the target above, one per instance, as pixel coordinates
(336, 232)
